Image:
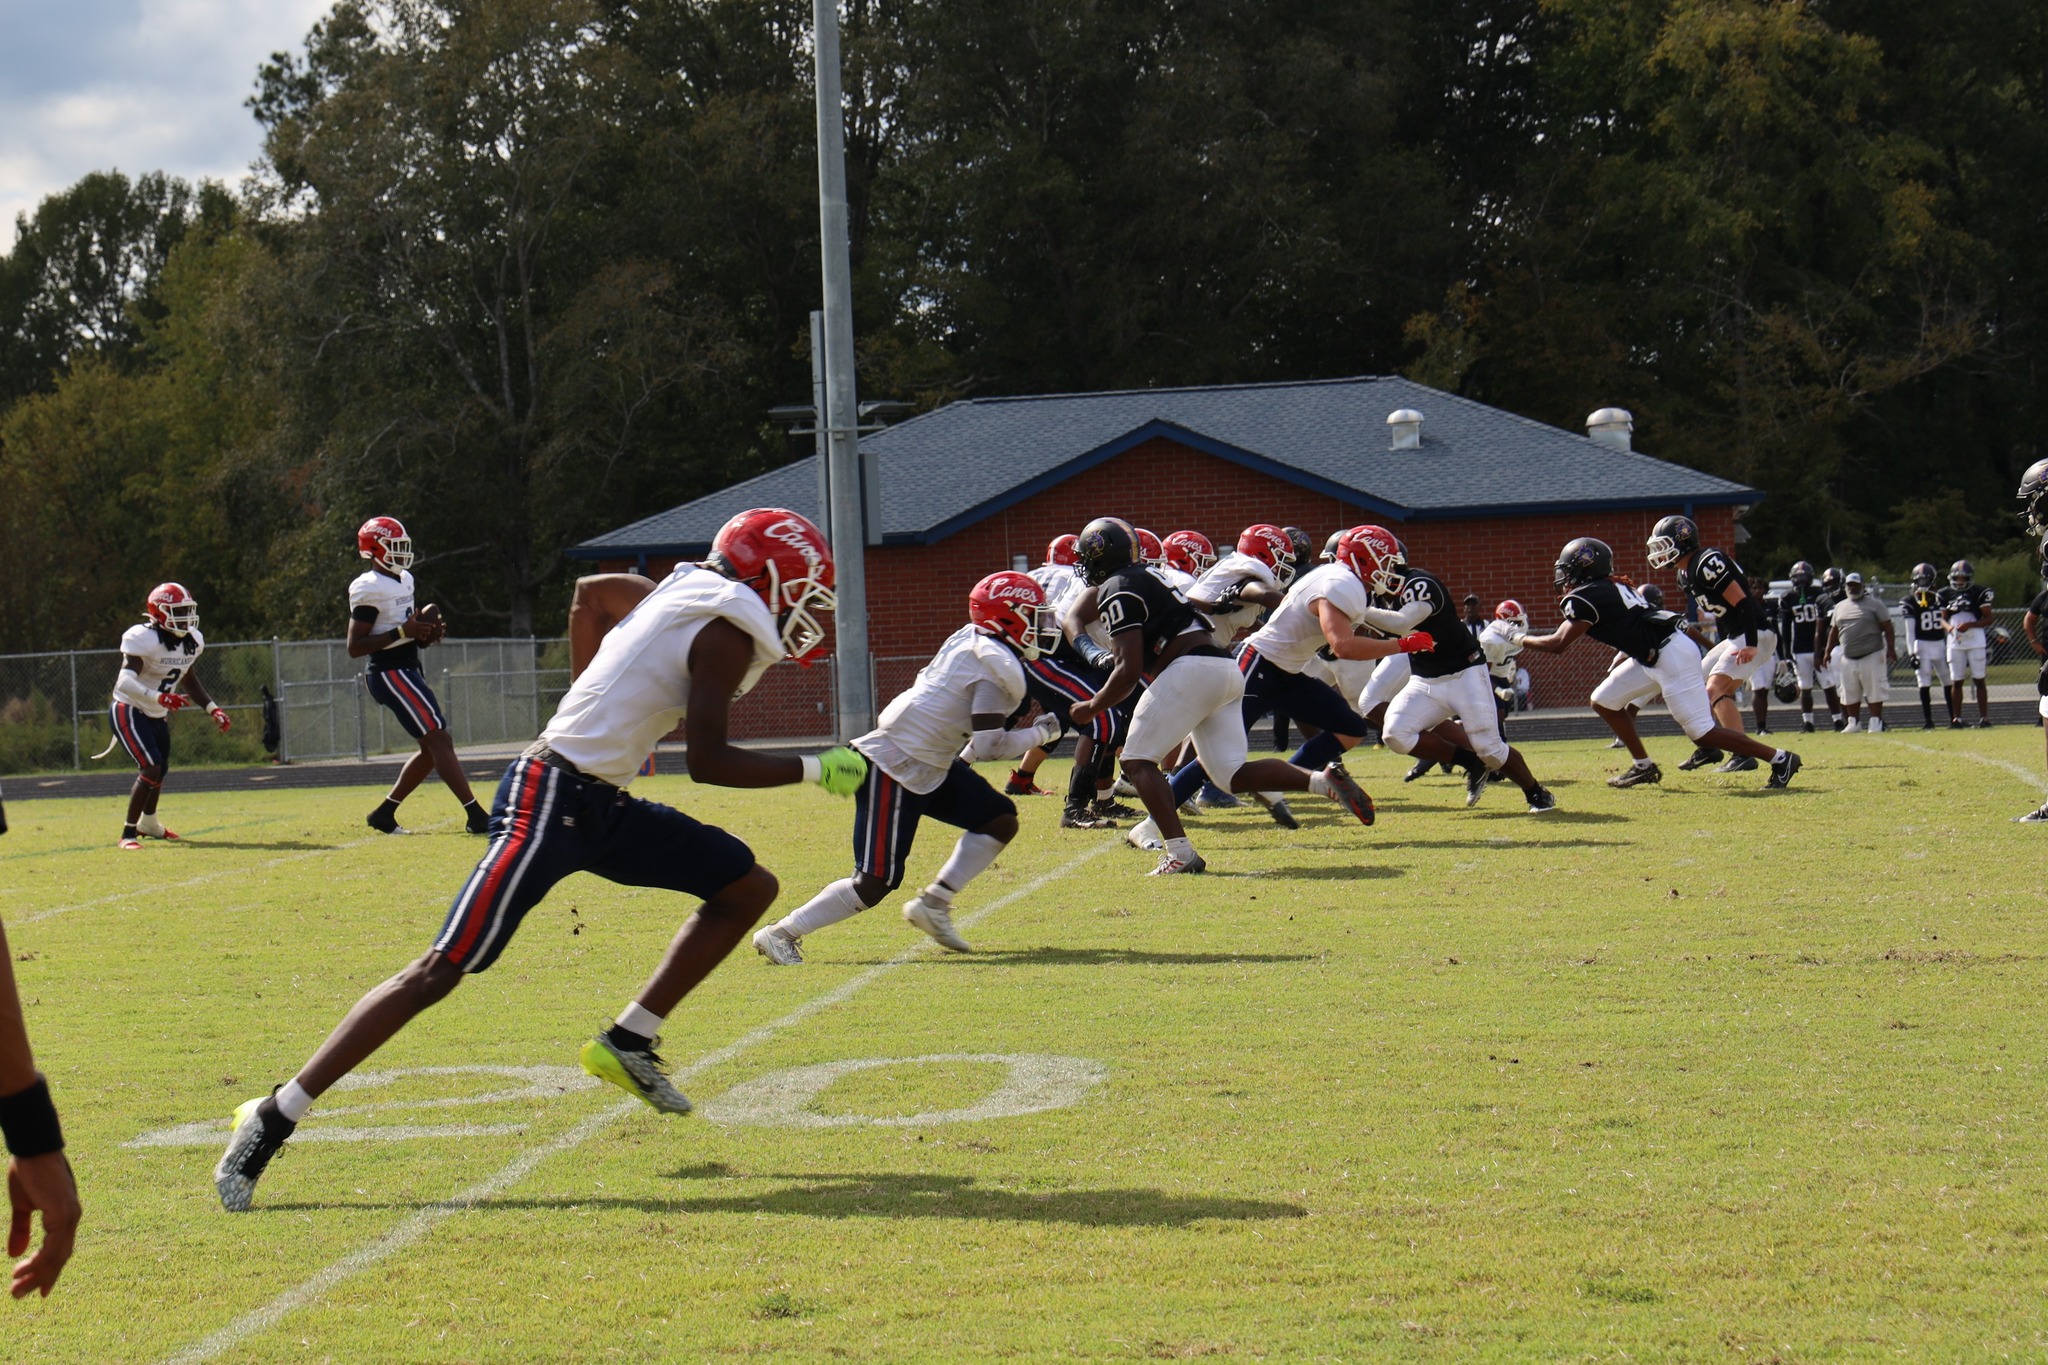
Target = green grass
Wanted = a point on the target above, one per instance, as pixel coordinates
(1688, 1072)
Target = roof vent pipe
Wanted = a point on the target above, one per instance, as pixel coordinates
(1404, 429)
(1611, 427)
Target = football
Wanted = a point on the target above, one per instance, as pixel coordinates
(428, 625)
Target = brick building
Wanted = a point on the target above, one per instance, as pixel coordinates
(1483, 498)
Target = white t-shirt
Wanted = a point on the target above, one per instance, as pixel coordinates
(390, 598)
(162, 664)
(923, 730)
(637, 689)
(1291, 637)
(1502, 646)
(1229, 572)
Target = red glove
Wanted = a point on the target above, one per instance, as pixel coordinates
(171, 701)
(220, 718)
(1417, 643)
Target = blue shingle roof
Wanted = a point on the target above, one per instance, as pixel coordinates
(949, 468)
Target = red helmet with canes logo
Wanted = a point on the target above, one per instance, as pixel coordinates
(173, 608)
(1062, 550)
(1271, 546)
(1375, 556)
(1189, 551)
(1011, 606)
(782, 556)
(1150, 549)
(383, 541)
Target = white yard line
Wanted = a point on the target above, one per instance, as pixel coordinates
(2031, 778)
(419, 1224)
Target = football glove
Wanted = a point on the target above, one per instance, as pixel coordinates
(171, 701)
(1417, 642)
(220, 718)
(840, 770)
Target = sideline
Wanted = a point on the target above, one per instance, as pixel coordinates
(417, 1225)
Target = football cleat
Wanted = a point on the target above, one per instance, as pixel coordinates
(1927, 725)
(1702, 757)
(1123, 787)
(1541, 800)
(1421, 769)
(254, 1139)
(1840, 723)
(1983, 723)
(1213, 797)
(384, 824)
(477, 823)
(1276, 806)
(1955, 722)
(1475, 785)
(149, 827)
(1616, 744)
(1111, 810)
(1634, 776)
(130, 844)
(1022, 783)
(1345, 790)
(779, 947)
(1805, 727)
(1740, 763)
(1145, 835)
(1781, 773)
(936, 919)
(1170, 866)
(642, 1075)
(2034, 817)
(1080, 817)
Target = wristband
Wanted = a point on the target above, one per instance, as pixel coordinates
(29, 1121)
(814, 771)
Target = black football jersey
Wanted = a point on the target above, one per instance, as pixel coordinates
(1707, 576)
(1975, 599)
(1456, 648)
(1923, 611)
(1619, 617)
(1135, 598)
(1800, 613)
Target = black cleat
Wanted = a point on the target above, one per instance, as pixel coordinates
(1079, 817)
(384, 822)
(1637, 777)
(477, 823)
(1983, 723)
(1540, 800)
(1111, 809)
(1421, 769)
(1805, 727)
(1475, 786)
(258, 1133)
(1702, 757)
(1781, 772)
(1740, 763)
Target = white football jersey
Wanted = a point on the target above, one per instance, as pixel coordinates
(637, 689)
(923, 730)
(390, 598)
(1226, 573)
(162, 664)
(1179, 580)
(1058, 581)
(1291, 637)
(1502, 647)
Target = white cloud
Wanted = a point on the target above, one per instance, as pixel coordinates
(132, 85)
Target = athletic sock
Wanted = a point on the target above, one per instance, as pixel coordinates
(1081, 786)
(1318, 783)
(1181, 850)
(1806, 717)
(1469, 761)
(971, 857)
(472, 806)
(1646, 762)
(1187, 780)
(635, 1028)
(292, 1100)
(1778, 755)
(128, 832)
(387, 807)
(835, 903)
(1318, 753)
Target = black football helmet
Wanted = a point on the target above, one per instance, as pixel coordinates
(1960, 573)
(1785, 683)
(2034, 495)
(1653, 596)
(1923, 575)
(1831, 581)
(1329, 555)
(1671, 540)
(1106, 545)
(1304, 548)
(1802, 575)
(1583, 561)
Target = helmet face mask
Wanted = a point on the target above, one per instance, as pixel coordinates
(2033, 496)
(1269, 545)
(1961, 573)
(1011, 606)
(1372, 553)
(1831, 581)
(1670, 540)
(383, 541)
(170, 607)
(1802, 575)
(1923, 575)
(784, 557)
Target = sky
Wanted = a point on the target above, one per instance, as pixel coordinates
(132, 85)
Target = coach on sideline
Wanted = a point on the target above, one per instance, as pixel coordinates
(1862, 626)
(38, 1176)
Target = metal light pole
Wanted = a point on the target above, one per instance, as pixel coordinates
(840, 419)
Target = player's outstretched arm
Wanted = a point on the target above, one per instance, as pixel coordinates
(600, 602)
(719, 659)
(38, 1177)
(1559, 640)
(1346, 643)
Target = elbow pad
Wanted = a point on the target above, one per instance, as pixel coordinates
(129, 688)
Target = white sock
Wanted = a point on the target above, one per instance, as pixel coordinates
(1181, 850)
(835, 903)
(1646, 762)
(1777, 755)
(971, 857)
(1318, 784)
(1877, 725)
(292, 1100)
(636, 1018)
(149, 824)
(1806, 716)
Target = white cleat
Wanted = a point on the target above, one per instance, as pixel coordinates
(936, 919)
(1145, 835)
(779, 947)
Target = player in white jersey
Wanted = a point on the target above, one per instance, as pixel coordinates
(958, 710)
(1055, 578)
(645, 657)
(156, 678)
(384, 627)
(1235, 591)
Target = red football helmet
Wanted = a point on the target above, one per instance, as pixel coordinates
(173, 608)
(1269, 545)
(1011, 606)
(781, 555)
(1375, 556)
(1061, 551)
(1150, 550)
(383, 541)
(1189, 551)
(1511, 612)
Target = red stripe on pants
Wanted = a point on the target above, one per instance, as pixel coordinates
(521, 823)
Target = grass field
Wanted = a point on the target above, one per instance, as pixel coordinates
(1691, 1072)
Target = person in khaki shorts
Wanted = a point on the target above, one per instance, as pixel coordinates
(1862, 626)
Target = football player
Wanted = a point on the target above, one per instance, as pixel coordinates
(1929, 642)
(1500, 639)
(1661, 658)
(1056, 579)
(1861, 626)
(1446, 710)
(1767, 666)
(2031, 623)
(645, 657)
(156, 678)
(1965, 610)
(383, 626)
(1190, 552)
(917, 768)
(1719, 587)
(1193, 690)
(1235, 591)
(1799, 614)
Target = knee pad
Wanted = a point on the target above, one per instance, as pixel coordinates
(1493, 751)
(1400, 741)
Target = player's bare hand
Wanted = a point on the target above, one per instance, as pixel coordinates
(1739, 656)
(1083, 712)
(41, 1184)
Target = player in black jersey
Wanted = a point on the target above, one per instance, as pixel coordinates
(1800, 613)
(1928, 638)
(1662, 658)
(1719, 587)
(1966, 612)
(1193, 690)
(1445, 710)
